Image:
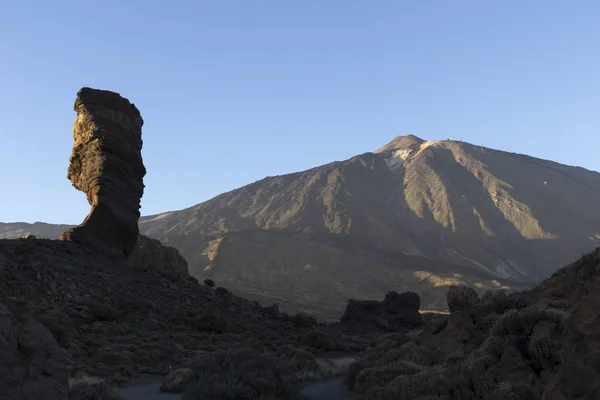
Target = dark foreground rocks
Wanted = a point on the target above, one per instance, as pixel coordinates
(396, 312)
(32, 366)
(542, 344)
(151, 254)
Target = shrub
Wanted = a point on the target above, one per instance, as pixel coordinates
(209, 282)
(393, 371)
(244, 373)
(88, 388)
(382, 375)
(516, 327)
(101, 311)
(210, 323)
(379, 355)
(519, 300)
(322, 340)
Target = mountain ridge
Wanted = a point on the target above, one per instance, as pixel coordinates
(447, 202)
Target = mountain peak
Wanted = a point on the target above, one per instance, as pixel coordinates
(403, 142)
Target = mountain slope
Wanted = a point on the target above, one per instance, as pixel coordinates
(13, 230)
(441, 199)
(470, 208)
(493, 218)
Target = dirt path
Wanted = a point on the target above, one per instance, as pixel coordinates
(323, 390)
(331, 389)
(147, 391)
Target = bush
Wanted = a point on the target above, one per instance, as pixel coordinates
(391, 370)
(322, 340)
(244, 373)
(298, 362)
(210, 323)
(209, 282)
(516, 327)
(88, 388)
(101, 311)
(380, 354)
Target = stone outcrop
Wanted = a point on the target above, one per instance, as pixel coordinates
(32, 366)
(106, 164)
(395, 313)
(563, 287)
(579, 374)
(151, 254)
(461, 298)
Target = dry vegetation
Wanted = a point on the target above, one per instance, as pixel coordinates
(117, 324)
(90, 388)
(255, 373)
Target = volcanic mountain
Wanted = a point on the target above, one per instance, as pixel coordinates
(414, 215)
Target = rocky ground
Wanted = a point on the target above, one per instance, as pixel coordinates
(73, 312)
(539, 344)
(119, 323)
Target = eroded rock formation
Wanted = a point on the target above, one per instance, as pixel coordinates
(151, 254)
(106, 164)
(397, 311)
(32, 366)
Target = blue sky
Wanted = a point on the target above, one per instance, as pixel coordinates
(233, 91)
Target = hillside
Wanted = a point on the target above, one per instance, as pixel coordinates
(465, 213)
(13, 230)
(469, 208)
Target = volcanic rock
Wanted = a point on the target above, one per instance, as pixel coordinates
(151, 254)
(106, 164)
(396, 312)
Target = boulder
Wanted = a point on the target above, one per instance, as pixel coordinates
(32, 366)
(177, 381)
(151, 254)
(461, 297)
(106, 164)
(395, 313)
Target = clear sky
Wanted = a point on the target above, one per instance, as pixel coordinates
(232, 91)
